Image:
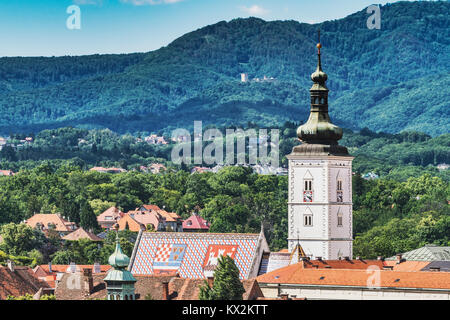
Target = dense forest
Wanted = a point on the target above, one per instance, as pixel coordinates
(398, 156)
(390, 80)
(403, 209)
(389, 216)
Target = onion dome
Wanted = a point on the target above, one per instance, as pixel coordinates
(319, 76)
(118, 259)
(319, 135)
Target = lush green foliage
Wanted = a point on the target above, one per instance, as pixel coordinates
(30, 297)
(392, 217)
(227, 285)
(390, 79)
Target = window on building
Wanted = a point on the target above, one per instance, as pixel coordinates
(339, 219)
(339, 192)
(307, 191)
(308, 220)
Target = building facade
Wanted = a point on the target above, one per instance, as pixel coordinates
(320, 182)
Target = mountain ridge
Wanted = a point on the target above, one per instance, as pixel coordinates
(196, 77)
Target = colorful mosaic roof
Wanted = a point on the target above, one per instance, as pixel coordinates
(194, 255)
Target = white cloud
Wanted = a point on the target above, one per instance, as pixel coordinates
(254, 10)
(149, 2)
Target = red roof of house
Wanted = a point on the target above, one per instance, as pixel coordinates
(151, 207)
(195, 222)
(80, 233)
(6, 173)
(65, 268)
(112, 212)
(18, 283)
(296, 274)
(341, 264)
(45, 219)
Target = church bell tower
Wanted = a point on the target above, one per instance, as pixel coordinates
(320, 182)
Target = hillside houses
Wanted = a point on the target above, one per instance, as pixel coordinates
(46, 222)
(156, 140)
(141, 218)
(108, 170)
(154, 168)
(7, 173)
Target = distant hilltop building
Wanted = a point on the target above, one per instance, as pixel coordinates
(244, 78)
(108, 170)
(154, 139)
(154, 168)
(6, 173)
(264, 79)
(370, 176)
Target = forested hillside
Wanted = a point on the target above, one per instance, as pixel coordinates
(391, 79)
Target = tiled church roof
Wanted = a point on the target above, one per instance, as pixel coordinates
(189, 253)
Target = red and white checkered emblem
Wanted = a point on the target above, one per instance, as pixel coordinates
(163, 253)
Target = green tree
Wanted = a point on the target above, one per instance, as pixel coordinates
(17, 238)
(227, 285)
(88, 219)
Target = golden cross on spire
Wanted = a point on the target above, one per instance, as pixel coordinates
(319, 45)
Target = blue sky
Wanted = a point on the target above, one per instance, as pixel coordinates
(38, 28)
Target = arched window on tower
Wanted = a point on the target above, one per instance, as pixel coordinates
(339, 219)
(307, 191)
(308, 187)
(308, 218)
(339, 191)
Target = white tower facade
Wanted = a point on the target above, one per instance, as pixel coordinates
(320, 182)
(320, 205)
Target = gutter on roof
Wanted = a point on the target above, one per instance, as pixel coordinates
(309, 286)
(136, 246)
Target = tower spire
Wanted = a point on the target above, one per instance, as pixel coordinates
(319, 135)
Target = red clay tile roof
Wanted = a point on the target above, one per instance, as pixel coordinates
(45, 219)
(6, 173)
(295, 274)
(195, 222)
(407, 265)
(133, 225)
(151, 207)
(112, 212)
(146, 218)
(341, 264)
(80, 233)
(19, 282)
(64, 268)
(151, 287)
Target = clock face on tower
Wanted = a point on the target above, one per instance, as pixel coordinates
(307, 196)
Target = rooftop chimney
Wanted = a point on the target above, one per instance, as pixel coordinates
(399, 258)
(347, 258)
(11, 265)
(435, 269)
(380, 258)
(284, 296)
(165, 285)
(97, 268)
(210, 281)
(50, 266)
(319, 258)
(88, 280)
